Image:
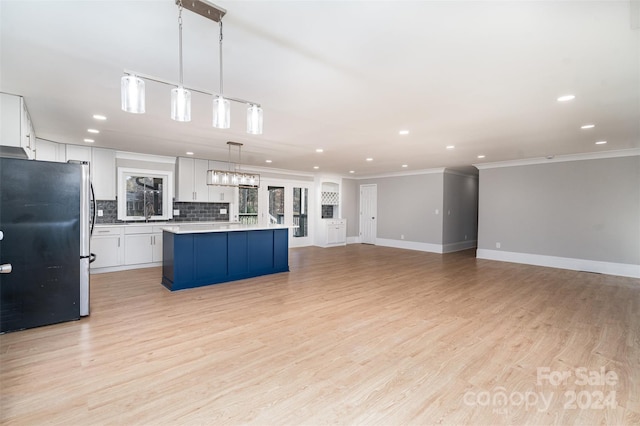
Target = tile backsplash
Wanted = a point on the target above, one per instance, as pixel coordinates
(189, 212)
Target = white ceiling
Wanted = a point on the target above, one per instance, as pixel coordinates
(344, 76)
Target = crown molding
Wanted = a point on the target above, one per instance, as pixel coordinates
(398, 174)
(561, 158)
(125, 155)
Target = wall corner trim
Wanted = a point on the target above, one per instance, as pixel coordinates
(608, 268)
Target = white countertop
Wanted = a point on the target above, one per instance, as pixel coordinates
(194, 228)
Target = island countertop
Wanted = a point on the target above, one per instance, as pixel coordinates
(193, 228)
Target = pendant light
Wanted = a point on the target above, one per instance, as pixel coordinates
(221, 106)
(233, 177)
(180, 97)
(254, 120)
(132, 88)
(132, 94)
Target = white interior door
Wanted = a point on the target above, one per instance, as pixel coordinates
(368, 213)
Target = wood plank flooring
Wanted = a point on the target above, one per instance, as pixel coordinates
(352, 335)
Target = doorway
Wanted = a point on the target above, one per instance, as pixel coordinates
(287, 203)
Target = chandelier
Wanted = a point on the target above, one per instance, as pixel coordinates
(233, 177)
(132, 87)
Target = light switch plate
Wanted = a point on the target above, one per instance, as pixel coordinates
(176, 212)
(100, 213)
(223, 211)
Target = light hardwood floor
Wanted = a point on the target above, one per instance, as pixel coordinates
(353, 335)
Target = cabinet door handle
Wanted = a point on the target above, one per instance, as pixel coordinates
(118, 241)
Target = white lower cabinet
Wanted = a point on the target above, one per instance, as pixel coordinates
(107, 245)
(142, 244)
(335, 232)
(126, 246)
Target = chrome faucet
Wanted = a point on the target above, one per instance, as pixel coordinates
(148, 210)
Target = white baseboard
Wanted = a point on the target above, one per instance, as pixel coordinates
(609, 268)
(123, 267)
(353, 240)
(459, 246)
(409, 245)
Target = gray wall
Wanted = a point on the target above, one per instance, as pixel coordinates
(406, 206)
(350, 206)
(587, 209)
(460, 208)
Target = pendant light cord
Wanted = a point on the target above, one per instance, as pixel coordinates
(180, 42)
(221, 91)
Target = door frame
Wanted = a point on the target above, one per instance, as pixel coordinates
(370, 239)
(288, 185)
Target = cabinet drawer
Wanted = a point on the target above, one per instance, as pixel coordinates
(100, 231)
(142, 229)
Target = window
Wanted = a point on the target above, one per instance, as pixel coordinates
(300, 217)
(276, 205)
(144, 194)
(248, 205)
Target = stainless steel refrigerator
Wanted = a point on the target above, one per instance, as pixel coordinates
(45, 230)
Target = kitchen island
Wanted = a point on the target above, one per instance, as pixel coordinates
(197, 255)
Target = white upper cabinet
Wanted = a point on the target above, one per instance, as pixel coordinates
(103, 173)
(79, 153)
(17, 129)
(103, 168)
(192, 182)
(50, 151)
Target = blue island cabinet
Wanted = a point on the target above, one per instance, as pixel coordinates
(198, 259)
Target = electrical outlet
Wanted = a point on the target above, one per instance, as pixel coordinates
(176, 212)
(223, 211)
(100, 213)
(437, 211)
(498, 245)
(402, 236)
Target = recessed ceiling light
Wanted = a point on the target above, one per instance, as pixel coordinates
(267, 161)
(481, 156)
(450, 146)
(319, 150)
(87, 140)
(189, 153)
(369, 159)
(403, 132)
(405, 165)
(93, 131)
(99, 117)
(565, 98)
(316, 167)
(588, 126)
(601, 142)
(352, 171)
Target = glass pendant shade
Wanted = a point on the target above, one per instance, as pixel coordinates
(221, 113)
(132, 94)
(254, 120)
(180, 104)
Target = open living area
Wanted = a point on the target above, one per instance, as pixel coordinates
(385, 213)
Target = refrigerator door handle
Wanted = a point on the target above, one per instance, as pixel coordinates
(6, 268)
